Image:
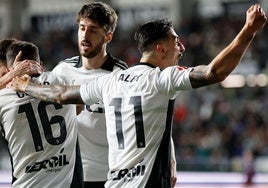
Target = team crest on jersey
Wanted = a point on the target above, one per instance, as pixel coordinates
(180, 68)
(50, 165)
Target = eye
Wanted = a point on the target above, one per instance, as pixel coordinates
(82, 27)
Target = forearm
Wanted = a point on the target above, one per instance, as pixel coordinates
(4, 80)
(55, 93)
(224, 63)
(227, 60)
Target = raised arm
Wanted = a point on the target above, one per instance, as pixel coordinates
(226, 61)
(20, 68)
(50, 93)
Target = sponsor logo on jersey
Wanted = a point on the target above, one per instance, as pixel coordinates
(129, 78)
(127, 174)
(50, 165)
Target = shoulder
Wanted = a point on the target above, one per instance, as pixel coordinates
(68, 63)
(119, 63)
(113, 63)
(176, 70)
(71, 60)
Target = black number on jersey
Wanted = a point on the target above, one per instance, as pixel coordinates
(46, 124)
(136, 102)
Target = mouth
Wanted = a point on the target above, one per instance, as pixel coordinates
(86, 44)
(180, 55)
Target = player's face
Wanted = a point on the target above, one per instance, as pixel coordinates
(91, 38)
(176, 48)
(3, 70)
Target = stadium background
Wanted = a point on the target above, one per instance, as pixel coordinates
(218, 129)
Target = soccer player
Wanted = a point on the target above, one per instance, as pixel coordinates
(96, 24)
(41, 136)
(139, 101)
(20, 67)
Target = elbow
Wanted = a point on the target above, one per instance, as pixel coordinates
(215, 77)
(219, 78)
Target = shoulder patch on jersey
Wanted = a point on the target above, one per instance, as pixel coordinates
(180, 68)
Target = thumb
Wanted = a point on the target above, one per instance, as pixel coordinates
(18, 57)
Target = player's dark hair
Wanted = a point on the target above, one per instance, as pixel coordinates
(103, 14)
(4, 44)
(152, 32)
(28, 49)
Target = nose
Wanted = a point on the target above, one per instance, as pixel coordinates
(181, 46)
(84, 32)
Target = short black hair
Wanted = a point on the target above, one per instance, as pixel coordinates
(29, 51)
(101, 13)
(4, 44)
(151, 32)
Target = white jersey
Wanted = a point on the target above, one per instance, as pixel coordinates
(41, 138)
(139, 109)
(91, 121)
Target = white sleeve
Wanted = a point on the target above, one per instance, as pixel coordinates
(58, 69)
(52, 78)
(174, 79)
(91, 92)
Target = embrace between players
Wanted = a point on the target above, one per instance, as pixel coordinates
(138, 114)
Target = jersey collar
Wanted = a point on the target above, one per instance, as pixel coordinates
(143, 63)
(107, 65)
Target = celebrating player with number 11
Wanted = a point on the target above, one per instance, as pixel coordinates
(139, 101)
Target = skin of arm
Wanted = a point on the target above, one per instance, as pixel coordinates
(225, 62)
(53, 93)
(173, 164)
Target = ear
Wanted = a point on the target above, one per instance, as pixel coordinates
(108, 37)
(160, 48)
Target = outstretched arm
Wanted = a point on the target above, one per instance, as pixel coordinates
(226, 61)
(50, 93)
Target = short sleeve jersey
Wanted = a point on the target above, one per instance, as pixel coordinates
(41, 137)
(139, 109)
(91, 120)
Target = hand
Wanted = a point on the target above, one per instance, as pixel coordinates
(173, 179)
(29, 67)
(256, 18)
(19, 83)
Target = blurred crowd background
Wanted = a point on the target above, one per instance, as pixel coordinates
(217, 128)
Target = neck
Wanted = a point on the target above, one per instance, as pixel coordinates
(151, 59)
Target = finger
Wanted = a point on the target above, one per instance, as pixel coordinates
(26, 77)
(18, 57)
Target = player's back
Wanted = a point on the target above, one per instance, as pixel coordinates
(138, 108)
(41, 137)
